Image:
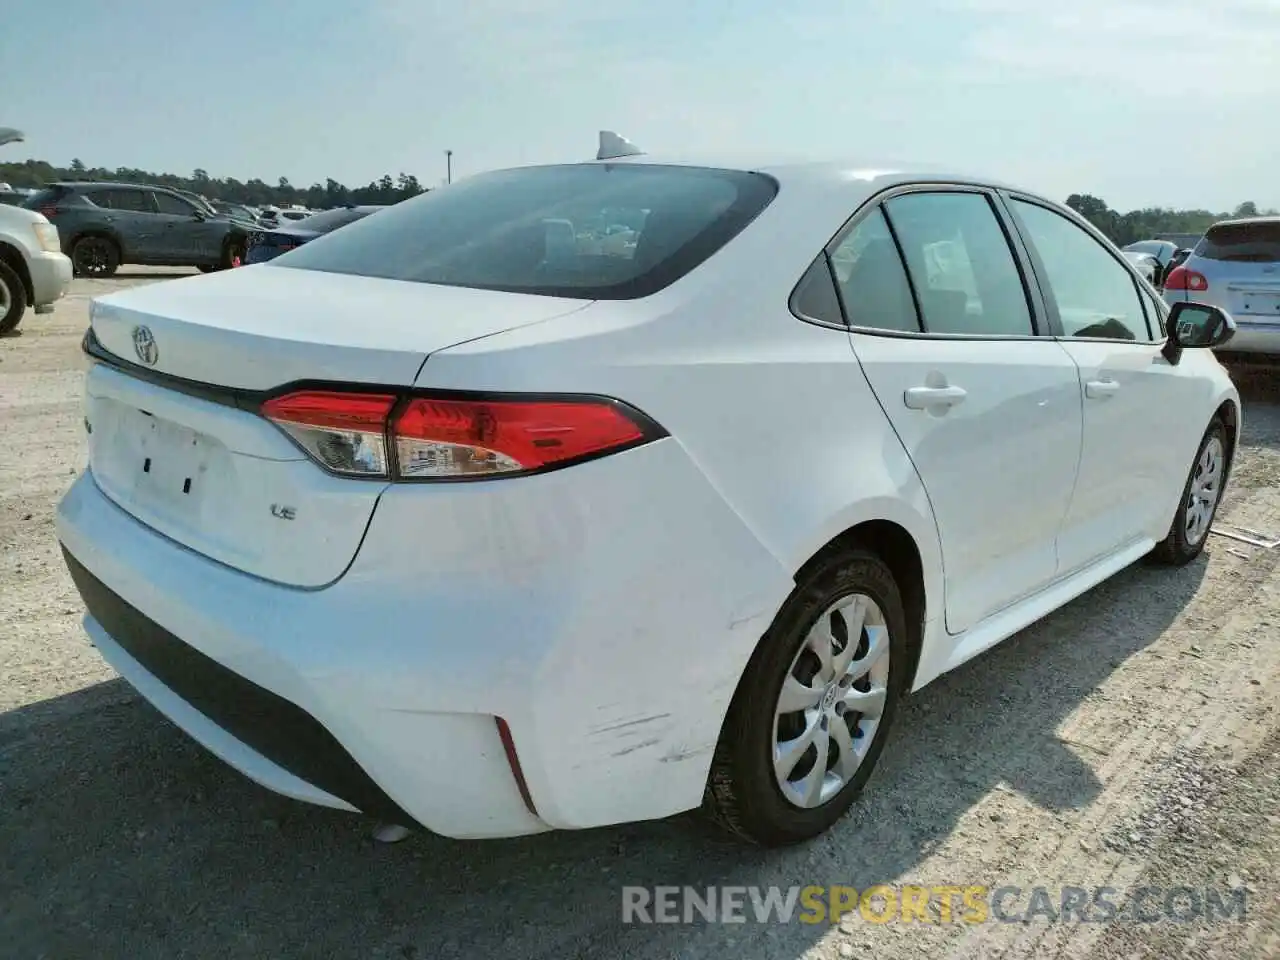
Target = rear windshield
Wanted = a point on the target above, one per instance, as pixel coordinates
(333, 219)
(590, 231)
(1257, 242)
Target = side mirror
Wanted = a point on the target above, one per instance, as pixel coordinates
(1196, 326)
(199, 215)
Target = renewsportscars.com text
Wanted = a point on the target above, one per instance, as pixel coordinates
(968, 904)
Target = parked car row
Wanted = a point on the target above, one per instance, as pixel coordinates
(102, 225)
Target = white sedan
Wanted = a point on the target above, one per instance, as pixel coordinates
(436, 520)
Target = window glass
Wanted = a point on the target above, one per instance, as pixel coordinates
(873, 284)
(960, 261)
(1250, 241)
(1157, 313)
(587, 230)
(134, 200)
(1096, 295)
(815, 296)
(168, 203)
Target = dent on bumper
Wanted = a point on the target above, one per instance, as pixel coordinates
(607, 622)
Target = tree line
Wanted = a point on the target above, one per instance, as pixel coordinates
(257, 193)
(1146, 224)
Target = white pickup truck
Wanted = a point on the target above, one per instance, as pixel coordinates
(33, 269)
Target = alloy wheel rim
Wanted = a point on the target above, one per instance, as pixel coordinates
(6, 299)
(1206, 488)
(829, 708)
(91, 257)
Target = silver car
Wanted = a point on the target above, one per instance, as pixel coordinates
(1236, 266)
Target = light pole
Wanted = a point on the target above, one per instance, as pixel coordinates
(448, 166)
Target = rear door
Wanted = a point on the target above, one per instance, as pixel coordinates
(1135, 455)
(987, 409)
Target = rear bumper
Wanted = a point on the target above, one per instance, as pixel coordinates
(50, 277)
(611, 651)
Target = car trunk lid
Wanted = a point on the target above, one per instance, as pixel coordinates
(176, 439)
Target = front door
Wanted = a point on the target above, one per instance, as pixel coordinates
(988, 411)
(1136, 451)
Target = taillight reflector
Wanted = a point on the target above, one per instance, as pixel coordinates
(446, 438)
(48, 211)
(1180, 278)
(344, 432)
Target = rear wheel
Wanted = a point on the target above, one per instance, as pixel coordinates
(1200, 498)
(95, 257)
(13, 299)
(205, 268)
(810, 717)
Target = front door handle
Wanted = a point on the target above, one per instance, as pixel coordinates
(928, 398)
(1101, 389)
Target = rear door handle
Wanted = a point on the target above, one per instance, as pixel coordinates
(927, 398)
(1101, 389)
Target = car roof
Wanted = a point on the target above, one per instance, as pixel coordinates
(99, 184)
(1233, 221)
(853, 177)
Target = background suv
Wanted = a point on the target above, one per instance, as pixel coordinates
(1236, 266)
(103, 225)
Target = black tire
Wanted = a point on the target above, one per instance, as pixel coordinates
(1177, 549)
(13, 293)
(743, 795)
(232, 254)
(206, 268)
(96, 257)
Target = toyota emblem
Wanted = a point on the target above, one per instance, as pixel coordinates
(144, 345)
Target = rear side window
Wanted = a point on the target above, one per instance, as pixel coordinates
(589, 231)
(133, 200)
(872, 282)
(1256, 242)
(45, 198)
(961, 265)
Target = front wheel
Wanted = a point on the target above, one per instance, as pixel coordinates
(810, 716)
(232, 255)
(1200, 498)
(13, 299)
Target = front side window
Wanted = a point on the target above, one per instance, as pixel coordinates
(961, 265)
(1096, 295)
(872, 282)
(175, 206)
(588, 231)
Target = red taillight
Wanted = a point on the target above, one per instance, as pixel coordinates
(1180, 278)
(445, 438)
(456, 438)
(48, 211)
(344, 432)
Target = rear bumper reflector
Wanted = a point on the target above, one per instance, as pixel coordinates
(513, 760)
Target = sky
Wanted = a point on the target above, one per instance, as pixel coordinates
(1169, 103)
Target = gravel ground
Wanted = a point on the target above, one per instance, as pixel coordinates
(1130, 739)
